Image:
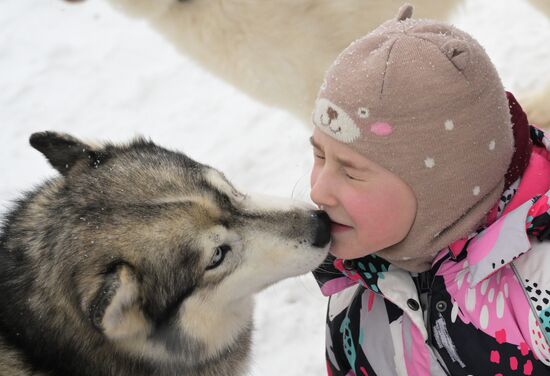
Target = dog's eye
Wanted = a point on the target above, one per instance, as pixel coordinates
(219, 256)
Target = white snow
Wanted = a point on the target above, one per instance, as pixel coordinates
(87, 70)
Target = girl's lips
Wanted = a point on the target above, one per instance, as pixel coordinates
(336, 227)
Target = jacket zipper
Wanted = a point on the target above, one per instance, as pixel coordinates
(426, 286)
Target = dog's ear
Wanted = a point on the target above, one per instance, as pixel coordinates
(63, 151)
(115, 311)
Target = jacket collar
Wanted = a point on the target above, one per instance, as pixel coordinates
(526, 214)
(499, 244)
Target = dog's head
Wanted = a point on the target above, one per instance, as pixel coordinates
(160, 253)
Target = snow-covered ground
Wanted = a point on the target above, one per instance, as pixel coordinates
(89, 71)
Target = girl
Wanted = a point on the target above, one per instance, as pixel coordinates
(434, 183)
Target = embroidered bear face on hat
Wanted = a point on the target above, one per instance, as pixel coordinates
(423, 100)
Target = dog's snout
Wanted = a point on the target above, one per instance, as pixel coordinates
(321, 235)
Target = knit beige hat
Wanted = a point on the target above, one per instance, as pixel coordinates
(422, 99)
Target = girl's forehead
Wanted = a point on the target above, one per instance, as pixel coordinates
(322, 141)
(325, 143)
(335, 149)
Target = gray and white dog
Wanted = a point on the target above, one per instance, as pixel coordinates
(138, 260)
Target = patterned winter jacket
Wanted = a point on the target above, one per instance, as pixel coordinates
(483, 309)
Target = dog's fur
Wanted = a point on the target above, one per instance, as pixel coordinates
(278, 51)
(138, 260)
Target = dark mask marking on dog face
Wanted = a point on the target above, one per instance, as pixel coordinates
(165, 318)
(103, 299)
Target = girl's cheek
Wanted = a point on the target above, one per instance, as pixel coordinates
(357, 206)
(367, 206)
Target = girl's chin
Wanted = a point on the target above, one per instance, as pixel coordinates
(340, 249)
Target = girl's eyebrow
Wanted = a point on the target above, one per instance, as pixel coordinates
(350, 164)
(315, 144)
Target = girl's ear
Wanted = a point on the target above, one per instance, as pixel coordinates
(458, 53)
(115, 310)
(63, 151)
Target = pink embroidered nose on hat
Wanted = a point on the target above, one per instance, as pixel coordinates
(422, 99)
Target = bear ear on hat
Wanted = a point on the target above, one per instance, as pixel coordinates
(458, 52)
(404, 12)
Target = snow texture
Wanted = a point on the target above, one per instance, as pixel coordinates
(89, 71)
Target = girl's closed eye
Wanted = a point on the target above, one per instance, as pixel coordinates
(353, 175)
(317, 155)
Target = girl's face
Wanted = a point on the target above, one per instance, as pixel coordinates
(370, 207)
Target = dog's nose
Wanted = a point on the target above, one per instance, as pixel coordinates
(322, 228)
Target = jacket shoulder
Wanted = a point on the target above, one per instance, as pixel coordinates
(531, 271)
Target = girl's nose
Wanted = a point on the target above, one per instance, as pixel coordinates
(321, 190)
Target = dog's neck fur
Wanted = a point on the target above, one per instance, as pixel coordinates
(207, 330)
(214, 325)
